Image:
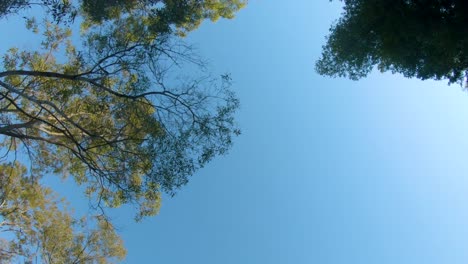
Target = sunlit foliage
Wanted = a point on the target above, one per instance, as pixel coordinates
(128, 111)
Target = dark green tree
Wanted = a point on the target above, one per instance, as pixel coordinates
(427, 39)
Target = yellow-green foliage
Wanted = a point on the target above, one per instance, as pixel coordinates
(41, 227)
(107, 112)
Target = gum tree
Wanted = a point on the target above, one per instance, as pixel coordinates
(128, 111)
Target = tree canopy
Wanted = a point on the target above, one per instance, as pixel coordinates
(128, 111)
(423, 39)
(43, 229)
(159, 16)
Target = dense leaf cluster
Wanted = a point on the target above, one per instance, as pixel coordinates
(43, 229)
(427, 39)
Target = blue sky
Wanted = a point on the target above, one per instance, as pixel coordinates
(326, 170)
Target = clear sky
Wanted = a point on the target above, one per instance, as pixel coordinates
(327, 171)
